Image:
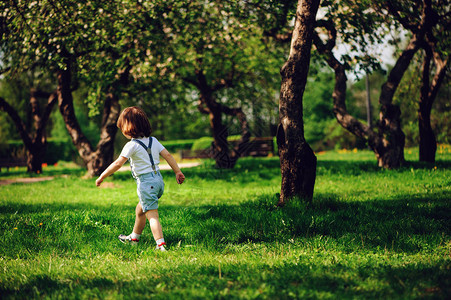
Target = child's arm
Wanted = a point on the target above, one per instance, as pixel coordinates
(116, 165)
(175, 167)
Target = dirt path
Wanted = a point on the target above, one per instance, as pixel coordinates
(25, 180)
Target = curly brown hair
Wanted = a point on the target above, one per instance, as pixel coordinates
(133, 122)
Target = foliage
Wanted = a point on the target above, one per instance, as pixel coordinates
(164, 41)
(16, 91)
(337, 137)
(57, 150)
(318, 107)
(369, 233)
(175, 145)
(407, 98)
(176, 120)
(361, 29)
(213, 50)
(202, 143)
(205, 142)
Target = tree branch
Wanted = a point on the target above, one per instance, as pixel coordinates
(281, 22)
(225, 83)
(17, 121)
(339, 94)
(441, 65)
(332, 36)
(395, 75)
(52, 99)
(245, 134)
(3, 71)
(394, 11)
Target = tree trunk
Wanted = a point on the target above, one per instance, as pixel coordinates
(297, 160)
(428, 142)
(36, 145)
(207, 105)
(225, 156)
(369, 109)
(243, 143)
(104, 154)
(428, 93)
(66, 106)
(388, 141)
(220, 133)
(34, 157)
(96, 160)
(389, 146)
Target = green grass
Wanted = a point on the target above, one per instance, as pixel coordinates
(369, 233)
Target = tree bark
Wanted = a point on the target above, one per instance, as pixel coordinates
(297, 160)
(428, 142)
(224, 156)
(388, 141)
(389, 146)
(34, 144)
(96, 160)
(66, 106)
(428, 94)
(104, 154)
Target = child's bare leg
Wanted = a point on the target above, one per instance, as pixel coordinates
(140, 223)
(140, 220)
(154, 220)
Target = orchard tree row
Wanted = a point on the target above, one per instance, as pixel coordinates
(225, 59)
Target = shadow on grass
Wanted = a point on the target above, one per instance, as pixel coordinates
(289, 280)
(404, 224)
(420, 222)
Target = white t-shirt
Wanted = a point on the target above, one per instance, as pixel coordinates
(139, 159)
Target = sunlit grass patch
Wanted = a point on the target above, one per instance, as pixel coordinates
(369, 233)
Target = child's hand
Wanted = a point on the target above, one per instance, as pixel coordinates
(99, 181)
(180, 177)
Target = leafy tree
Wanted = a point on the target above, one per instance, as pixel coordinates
(434, 19)
(360, 25)
(35, 139)
(76, 42)
(212, 49)
(409, 92)
(435, 66)
(387, 140)
(317, 112)
(298, 162)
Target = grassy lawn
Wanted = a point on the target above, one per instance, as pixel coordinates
(369, 233)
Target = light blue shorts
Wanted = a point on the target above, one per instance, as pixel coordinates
(150, 189)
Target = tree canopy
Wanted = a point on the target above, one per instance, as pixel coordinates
(221, 58)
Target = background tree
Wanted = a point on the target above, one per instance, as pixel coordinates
(34, 141)
(387, 140)
(215, 52)
(81, 44)
(297, 160)
(406, 96)
(32, 130)
(360, 26)
(435, 65)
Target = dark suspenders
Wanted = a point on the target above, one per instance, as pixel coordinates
(149, 151)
